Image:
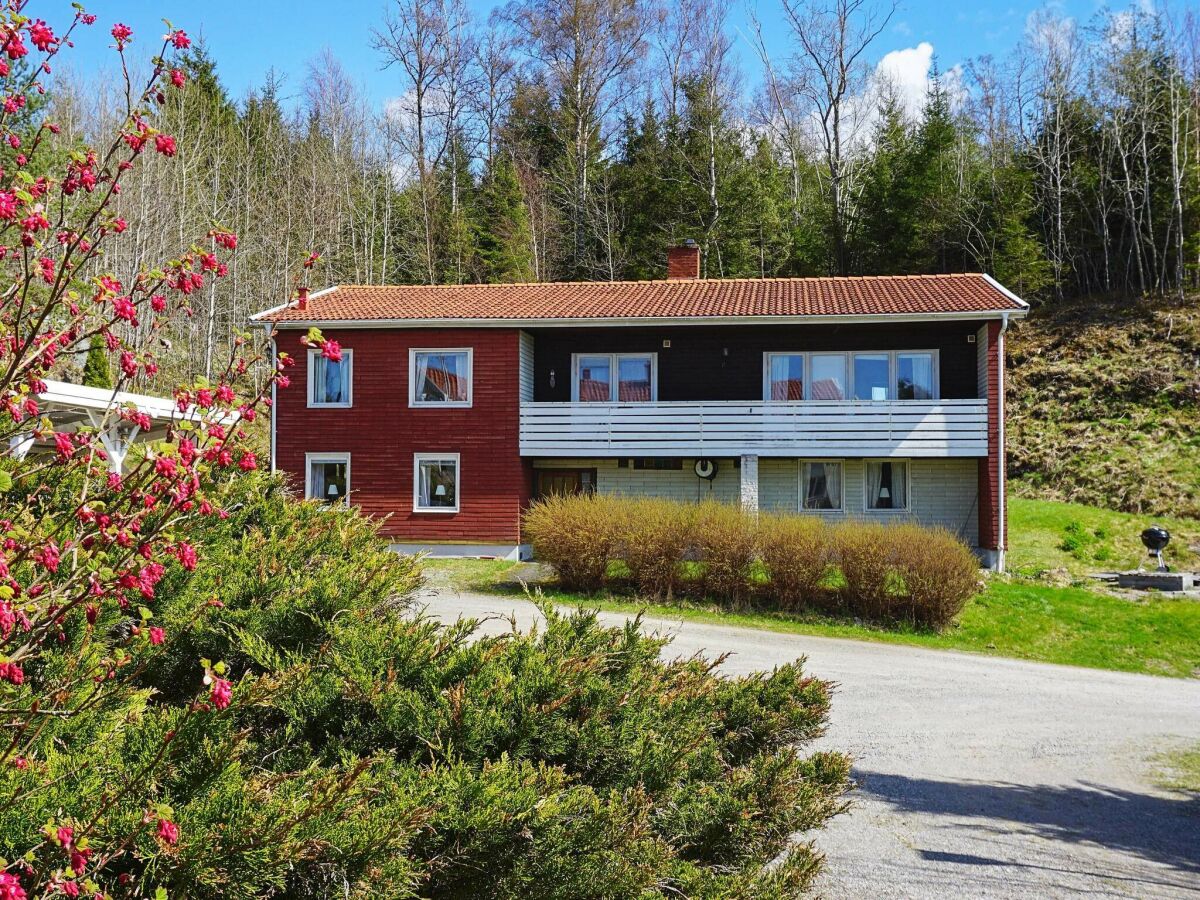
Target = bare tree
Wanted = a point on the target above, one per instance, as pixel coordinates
(830, 67)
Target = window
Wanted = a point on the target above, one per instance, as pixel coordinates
(828, 377)
(821, 485)
(435, 482)
(877, 376)
(439, 377)
(872, 376)
(329, 381)
(615, 378)
(914, 376)
(785, 376)
(886, 484)
(328, 477)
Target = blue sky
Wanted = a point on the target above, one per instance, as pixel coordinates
(248, 38)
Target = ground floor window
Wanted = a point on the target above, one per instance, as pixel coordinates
(565, 482)
(821, 484)
(435, 487)
(886, 484)
(328, 477)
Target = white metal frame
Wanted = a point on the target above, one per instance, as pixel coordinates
(331, 457)
(848, 355)
(418, 458)
(841, 507)
(867, 508)
(614, 368)
(440, 404)
(348, 360)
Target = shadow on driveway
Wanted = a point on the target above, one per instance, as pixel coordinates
(1161, 830)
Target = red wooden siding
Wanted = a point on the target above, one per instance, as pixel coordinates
(381, 432)
(991, 497)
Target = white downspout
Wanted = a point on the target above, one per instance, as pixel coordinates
(1003, 498)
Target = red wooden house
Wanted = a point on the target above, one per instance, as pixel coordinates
(454, 406)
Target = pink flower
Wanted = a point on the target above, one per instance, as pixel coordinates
(222, 693)
(70, 888)
(8, 206)
(10, 888)
(187, 556)
(41, 35)
(226, 239)
(13, 46)
(180, 40)
(165, 466)
(224, 394)
(121, 33)
(248, 462)
(157, 635)
(158, 302)
(312, 260)
(66, 834)
(12, 673)
(124, 308)
(62, 443)
(204, 398)
(168, 832)
(164, 144)
(332, 351)
(178, 78)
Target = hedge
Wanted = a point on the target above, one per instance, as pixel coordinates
(661, 549)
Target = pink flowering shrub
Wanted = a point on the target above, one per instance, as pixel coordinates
(84, 547)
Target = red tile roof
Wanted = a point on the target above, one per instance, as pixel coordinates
(901, 295)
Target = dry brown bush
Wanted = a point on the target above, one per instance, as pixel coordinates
(577, 536)
(939, 574)
(726, 543)
(797, 552)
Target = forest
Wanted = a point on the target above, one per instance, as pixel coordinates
(575, 140)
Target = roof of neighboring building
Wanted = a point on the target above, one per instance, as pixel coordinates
(693, 299)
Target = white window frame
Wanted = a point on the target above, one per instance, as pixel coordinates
(348, 359)
(767, 356)
(334, 457)
(908, 497)
(848, 356)
(937, 373)
(803, 483)
(418, 458)
(440, 404)
(614, 361)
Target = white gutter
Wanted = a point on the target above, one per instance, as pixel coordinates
(649, 320)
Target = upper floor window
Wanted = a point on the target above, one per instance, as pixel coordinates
(329, 380)
(879, 375)
(440, 377)
(615, 378)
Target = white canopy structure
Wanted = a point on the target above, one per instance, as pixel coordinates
(72, 406)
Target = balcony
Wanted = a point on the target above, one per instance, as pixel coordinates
(813, 429)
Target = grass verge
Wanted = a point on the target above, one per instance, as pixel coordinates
(1179, 770)
(1011, 617)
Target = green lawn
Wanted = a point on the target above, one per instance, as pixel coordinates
(1046, 536)
(1011, 617)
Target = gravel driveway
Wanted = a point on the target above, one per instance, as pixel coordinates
(978, 776)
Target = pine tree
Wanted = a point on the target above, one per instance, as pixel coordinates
(502, 232)
(96, 370)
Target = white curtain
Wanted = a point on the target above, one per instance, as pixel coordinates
(787, 377)
(899, 485)
(333, 378)
(425, 484)
(922, 375)
(420, 374)
(874, 474)
(833, 484)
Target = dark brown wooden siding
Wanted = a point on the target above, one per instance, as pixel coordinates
(695, 367)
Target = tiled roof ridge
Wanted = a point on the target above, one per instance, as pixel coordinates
(664, 281)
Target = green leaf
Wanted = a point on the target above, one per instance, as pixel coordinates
(6, 481)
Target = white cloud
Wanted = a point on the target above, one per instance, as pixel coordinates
(907, 71)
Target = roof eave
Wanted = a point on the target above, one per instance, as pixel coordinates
(576, 322)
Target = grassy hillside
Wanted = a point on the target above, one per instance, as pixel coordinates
(1104, 405)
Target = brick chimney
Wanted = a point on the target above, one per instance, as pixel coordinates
(302, 298)
(683, 261)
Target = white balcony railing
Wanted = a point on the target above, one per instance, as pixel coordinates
(908, 428)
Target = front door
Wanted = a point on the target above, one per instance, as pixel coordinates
(563, 482)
